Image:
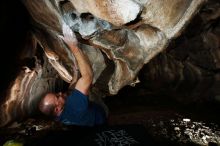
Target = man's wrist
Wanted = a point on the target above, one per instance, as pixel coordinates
(74, 48)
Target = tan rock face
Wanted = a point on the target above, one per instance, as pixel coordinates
(118, 36)
(169, 16)
(117, 12)
(25, 90)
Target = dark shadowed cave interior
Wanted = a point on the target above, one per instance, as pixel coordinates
(165, 108)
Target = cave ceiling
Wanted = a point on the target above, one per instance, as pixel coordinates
(121, 39)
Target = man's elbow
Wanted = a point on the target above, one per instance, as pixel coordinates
(89, 79)
(90, 76)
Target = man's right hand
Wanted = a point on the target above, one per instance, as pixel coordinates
(69, 36)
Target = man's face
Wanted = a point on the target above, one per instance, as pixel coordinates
(58, 100)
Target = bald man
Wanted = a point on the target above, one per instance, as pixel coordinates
(75, 108)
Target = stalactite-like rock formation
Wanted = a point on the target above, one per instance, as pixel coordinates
(118, 36)
(188, 71)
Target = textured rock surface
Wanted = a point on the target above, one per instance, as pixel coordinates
(189, 69)
(97, 22)
(118, 39)
(116, 12)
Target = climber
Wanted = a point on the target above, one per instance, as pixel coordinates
(75, 108)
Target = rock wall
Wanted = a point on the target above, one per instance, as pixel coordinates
(119, 37)
(188, 71)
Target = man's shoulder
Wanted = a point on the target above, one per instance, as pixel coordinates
(77, 93)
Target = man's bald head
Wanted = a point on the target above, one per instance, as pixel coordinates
(52, 104)
(47, 104)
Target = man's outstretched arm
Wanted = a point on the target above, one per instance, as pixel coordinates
(85, 81)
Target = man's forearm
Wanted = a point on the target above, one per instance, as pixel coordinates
(84, 82)
(83, 63)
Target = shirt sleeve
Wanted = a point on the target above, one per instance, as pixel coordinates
(76, 101)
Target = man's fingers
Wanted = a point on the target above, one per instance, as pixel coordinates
(69, 35)
(67, 32)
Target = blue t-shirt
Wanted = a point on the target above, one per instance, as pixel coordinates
(79, 111)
